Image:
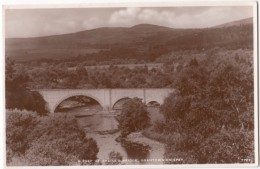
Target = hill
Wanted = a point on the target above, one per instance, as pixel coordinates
(236, 23)
(144, 41)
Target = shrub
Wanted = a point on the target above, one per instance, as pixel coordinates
(46, 140)
(227, 147)
(19, 125)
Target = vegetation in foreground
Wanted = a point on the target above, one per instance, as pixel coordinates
(33, 140)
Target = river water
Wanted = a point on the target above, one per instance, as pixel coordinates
(103, 127)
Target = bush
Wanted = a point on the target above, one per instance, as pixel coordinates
(134, 116)
(21, 98)
(46, 140)
(224, 147)
(19, 125)
(229, 147)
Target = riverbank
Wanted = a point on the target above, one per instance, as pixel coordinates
(161, 137)
(156, 148)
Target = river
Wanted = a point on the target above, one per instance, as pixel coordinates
(103, 127)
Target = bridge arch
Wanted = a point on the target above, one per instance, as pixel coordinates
(119, 103)
(153, 103)
(107, 98)
(73, 95)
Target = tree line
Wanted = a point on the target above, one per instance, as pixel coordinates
(60, 75)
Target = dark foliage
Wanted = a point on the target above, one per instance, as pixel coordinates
(210, 116)
(46, 140)
(134, 116)
(17, 95)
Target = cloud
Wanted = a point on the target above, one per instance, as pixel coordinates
(164, 18)
(173, 17)
(43, 22)
(126, 16)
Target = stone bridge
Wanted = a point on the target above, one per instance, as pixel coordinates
(105, 97)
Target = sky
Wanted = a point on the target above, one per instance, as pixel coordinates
(44, 22)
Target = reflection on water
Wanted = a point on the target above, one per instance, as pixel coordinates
(134, 152)
(98, 124)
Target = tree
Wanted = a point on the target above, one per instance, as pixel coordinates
(134, 116)
(81, 70)
(232, 90)
(71, 80)
(16, 76)
(194, 62)
(46, 140)
(192, 80)
(212, 104)
(39, 104)
(175, 106)
(17, 95)
(9, 69)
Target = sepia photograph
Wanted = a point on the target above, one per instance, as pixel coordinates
(103, 85)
